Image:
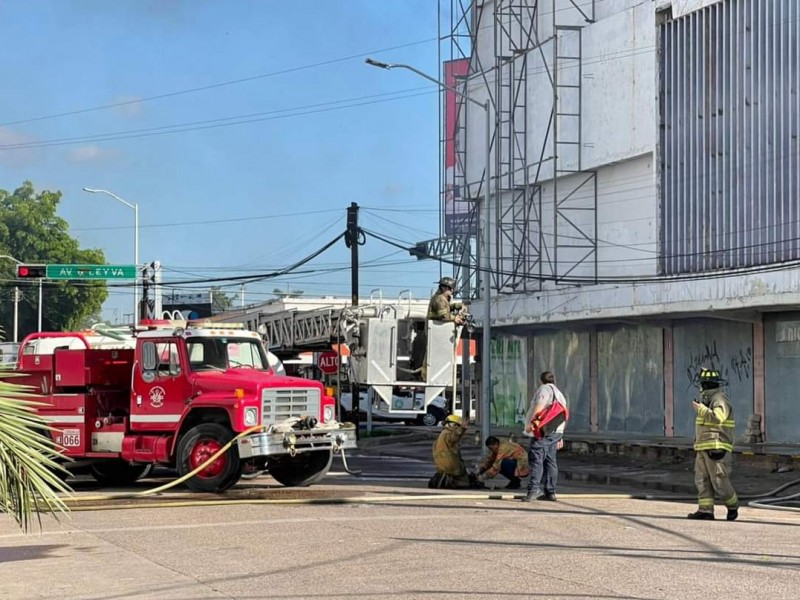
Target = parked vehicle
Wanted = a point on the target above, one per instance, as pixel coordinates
(8, 354)
(405, 407)
(174, 393)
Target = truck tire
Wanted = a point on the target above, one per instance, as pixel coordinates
(300, 470)
(117, 472)
(432, 417)
(196, 446)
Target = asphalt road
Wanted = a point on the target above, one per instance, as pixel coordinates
(415, 547)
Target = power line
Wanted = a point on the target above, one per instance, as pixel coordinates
(215, 85)
(214, 124)
(210, 221)
(718, 274)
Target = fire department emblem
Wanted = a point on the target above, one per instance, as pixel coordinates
(157, 395)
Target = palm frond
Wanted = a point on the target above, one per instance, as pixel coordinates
(29, 470)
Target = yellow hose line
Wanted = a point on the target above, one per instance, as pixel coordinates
(171, 484)
(345, 500)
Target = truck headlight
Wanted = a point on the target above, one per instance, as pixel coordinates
(327, 414)
(251, 416)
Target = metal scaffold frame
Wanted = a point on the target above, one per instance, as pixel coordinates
(525, 191)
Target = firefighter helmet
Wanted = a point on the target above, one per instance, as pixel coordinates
(447, 282)
(453, 419)
(710, 378)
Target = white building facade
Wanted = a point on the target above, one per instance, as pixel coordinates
(645, 217)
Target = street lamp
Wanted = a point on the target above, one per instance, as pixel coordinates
(135, 208)
(487, 284)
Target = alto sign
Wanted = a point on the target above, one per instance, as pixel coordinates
(328, 362)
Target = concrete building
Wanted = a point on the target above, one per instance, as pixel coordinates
(645, 210)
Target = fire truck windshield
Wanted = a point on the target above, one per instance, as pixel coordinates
(221, 353)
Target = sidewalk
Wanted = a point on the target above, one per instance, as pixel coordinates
(658, 465)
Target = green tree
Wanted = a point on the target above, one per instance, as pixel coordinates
(220, 301)
(287, 293)
(31, 231)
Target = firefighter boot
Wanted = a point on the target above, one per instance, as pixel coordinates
(733, 514)
(701, 515)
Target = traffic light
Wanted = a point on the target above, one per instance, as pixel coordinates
(31, 271)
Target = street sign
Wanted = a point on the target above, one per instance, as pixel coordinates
(91, 272)
(328, 362)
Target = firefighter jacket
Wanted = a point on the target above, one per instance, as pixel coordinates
(714, 422)
(491, 464)
(447, 451)
(440, 308)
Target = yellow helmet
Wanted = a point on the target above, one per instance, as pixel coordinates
(453, 419)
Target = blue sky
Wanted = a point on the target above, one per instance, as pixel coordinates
(72, 55)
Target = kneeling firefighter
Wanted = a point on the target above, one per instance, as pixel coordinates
(714, 428)
(451, 471)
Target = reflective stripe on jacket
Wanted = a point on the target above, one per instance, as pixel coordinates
(714, 424)
(492, 462)
(447, 451)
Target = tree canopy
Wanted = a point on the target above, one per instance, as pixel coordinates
(220, 300)
(32, 232)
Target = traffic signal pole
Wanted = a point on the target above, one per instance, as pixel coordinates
(351, 239)
(40, 305)
(16, 314)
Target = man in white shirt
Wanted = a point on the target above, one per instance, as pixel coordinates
(542, 452)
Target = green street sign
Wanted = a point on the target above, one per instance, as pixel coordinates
(91, 271)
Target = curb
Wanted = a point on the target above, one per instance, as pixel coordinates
(674, 453)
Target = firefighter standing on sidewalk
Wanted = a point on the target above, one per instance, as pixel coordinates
(714, 427)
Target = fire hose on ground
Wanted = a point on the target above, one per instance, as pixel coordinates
(162, 488)
(769, 500)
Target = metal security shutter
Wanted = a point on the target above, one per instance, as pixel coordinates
(729, 142)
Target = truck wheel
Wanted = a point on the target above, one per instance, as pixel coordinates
(196, 446)
(118, 472)
(432, 417)
(300, 470)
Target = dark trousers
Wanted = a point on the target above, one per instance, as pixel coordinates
(508, 466)
(544, 468)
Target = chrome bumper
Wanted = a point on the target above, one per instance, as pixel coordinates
(279, 443)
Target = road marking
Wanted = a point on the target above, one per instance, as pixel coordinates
(226, 524)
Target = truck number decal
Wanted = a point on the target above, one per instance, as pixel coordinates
(71, 438)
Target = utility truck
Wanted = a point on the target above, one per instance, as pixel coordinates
(174, 393)
(406, 360)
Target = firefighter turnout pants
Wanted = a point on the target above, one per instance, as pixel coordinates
(712, 478)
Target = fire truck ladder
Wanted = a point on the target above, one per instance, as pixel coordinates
(293, 330)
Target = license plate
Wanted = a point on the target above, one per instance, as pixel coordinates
(71, 438)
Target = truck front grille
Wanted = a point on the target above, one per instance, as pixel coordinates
(282, 403)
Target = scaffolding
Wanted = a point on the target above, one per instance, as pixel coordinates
(526, 190)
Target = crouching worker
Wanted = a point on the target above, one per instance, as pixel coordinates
(451, 471)
(508, 459)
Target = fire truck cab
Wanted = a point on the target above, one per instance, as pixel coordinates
(174, 393)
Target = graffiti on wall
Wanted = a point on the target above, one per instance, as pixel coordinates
(509, 380)
(734, 364)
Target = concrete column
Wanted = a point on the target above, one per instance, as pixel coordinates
(669, 383)
(594, 416)
(759, 402)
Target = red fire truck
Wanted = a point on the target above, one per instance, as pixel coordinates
(174, 393)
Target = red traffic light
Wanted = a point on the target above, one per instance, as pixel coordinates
(31, 271)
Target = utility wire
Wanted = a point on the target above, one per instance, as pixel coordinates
(216, 85)
(732, 272)
(171, 129)
(211, 222)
